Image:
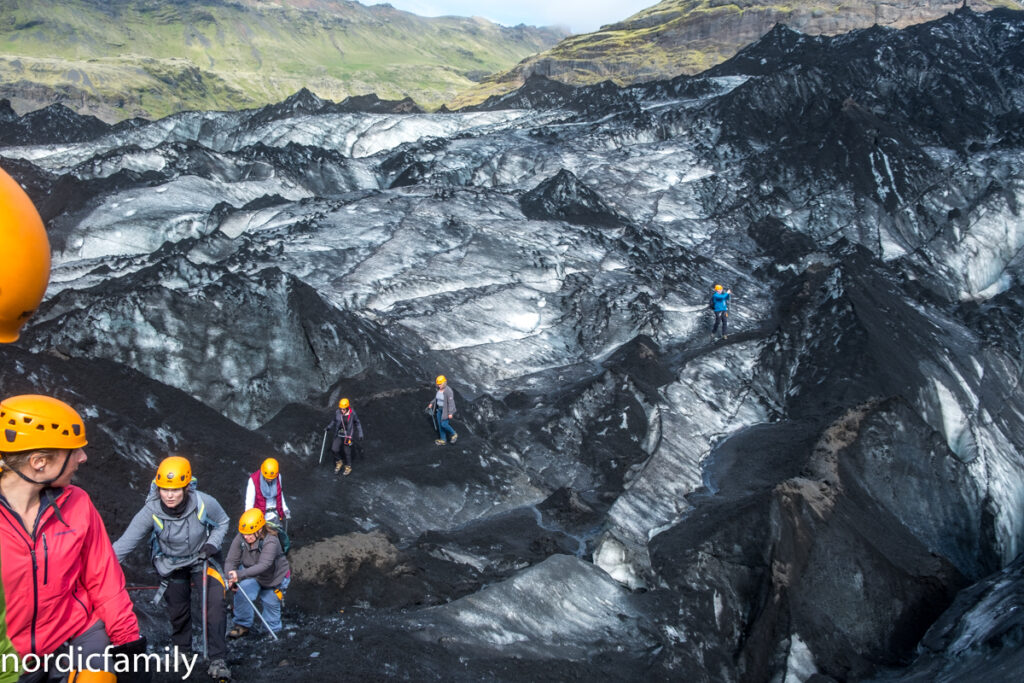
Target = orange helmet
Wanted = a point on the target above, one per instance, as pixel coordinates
(24, 258)
(270, 468)
(441, 379)
(251, 521)
(343, 403)
(175, 472)
(718, 288)
(88, 676)
(31, 422)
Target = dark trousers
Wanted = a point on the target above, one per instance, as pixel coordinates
(179, 610)
(342, 447)
(722, 316)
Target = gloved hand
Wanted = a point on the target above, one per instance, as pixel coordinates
(208, 551)
(128, 651)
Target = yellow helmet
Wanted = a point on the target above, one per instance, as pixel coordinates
(175, 472)
(441, 379)
(251, 521)
(343, 403)
(718, 288)
(31, 422)
(24, 258)
(270, 468)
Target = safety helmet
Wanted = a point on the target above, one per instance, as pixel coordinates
(174, 472)
(343, 403)
(441, 379)
(251, 521)
(31, 422)
(718, 288)
(24, 258)
(270, 468)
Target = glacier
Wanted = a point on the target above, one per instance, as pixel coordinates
(836, 489)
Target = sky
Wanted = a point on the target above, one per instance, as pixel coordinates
(579, 16)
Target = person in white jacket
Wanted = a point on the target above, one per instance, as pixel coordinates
(265, 491)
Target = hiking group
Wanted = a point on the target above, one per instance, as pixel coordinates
(54, 546)
(60, 571)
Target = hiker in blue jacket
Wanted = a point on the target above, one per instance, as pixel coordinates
(720, 305)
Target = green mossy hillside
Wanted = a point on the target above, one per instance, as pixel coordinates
(122, 58)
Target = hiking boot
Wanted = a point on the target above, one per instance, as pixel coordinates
(440, 442)
(348, 470)
(237, 631)
(455, 437)
(337, 467)
(219, 670)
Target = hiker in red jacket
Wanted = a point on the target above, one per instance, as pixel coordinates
(65, 588)
(265, 491)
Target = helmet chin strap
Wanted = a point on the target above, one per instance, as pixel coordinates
(47, 482)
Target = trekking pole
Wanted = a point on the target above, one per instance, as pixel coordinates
(239, 589)
(206, 629)
(322, 447)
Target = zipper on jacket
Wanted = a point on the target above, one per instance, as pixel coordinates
(46, 561)
(35, 596)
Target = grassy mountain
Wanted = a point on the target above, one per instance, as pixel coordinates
(122, 58)
(688, 36)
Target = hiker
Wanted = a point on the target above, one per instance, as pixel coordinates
(63, 583)
(345, 426)
(186, 528)
(443, 408)
(265, 490)
(26, 253)
(257, 567)
(720, 305)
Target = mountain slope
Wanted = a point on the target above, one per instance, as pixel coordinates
(127, 58)
(688, 36)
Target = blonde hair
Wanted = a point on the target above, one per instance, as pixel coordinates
(14, 461)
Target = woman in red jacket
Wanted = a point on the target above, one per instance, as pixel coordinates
(63, 583)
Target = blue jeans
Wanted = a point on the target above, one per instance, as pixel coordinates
(444, 429)
(270, 605)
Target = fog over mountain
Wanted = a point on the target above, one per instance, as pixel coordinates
(834, 489)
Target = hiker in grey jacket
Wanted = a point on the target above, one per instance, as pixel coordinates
(186, 527)
(442, 409)
(257, 566)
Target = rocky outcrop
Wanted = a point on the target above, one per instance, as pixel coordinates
(564, 197)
